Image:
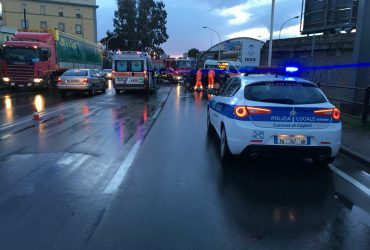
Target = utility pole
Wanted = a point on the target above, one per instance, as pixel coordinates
(24, 18)
(271, 32)
(361, 51)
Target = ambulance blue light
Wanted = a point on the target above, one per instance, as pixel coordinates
(291, 69)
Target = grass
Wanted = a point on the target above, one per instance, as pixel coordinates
(355, 123)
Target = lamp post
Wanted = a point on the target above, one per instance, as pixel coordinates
(219, 50)
(296, 17)
(108, 42)
(271, 32)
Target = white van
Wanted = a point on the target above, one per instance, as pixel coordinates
(132, 70)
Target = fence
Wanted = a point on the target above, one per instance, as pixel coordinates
(353, 109)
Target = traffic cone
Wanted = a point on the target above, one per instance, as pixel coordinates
(36, 116)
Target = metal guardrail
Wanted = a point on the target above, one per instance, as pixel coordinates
(365, 104)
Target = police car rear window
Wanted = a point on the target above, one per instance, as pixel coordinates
(284, 93)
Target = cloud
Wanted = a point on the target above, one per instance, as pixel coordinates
(241, 13)
(263, 33)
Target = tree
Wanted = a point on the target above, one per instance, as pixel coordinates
(140, 25)
(193, 53)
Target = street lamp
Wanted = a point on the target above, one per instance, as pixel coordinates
(219, 50)
(107, 45)
(271, 32)
(296, 17)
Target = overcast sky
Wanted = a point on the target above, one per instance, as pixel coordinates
(231, 18)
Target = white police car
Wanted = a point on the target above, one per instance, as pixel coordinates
(271, 115)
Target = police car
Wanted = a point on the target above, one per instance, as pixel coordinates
(272, 115)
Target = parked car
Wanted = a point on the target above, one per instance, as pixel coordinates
(81, 80)
(272, 115)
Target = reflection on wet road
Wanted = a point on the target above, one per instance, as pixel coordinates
(120, 172)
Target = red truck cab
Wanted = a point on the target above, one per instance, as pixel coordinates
(29, 60)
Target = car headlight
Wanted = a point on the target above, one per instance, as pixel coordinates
(6, 79)
(37, 80)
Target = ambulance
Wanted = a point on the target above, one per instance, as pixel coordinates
(132, 70)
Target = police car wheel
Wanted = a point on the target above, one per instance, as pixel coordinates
(224, 148)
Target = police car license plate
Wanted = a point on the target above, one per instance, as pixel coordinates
(292, 140)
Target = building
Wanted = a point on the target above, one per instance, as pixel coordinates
(76, 17)
(243, 49)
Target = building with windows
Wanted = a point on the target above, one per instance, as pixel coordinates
(76, 17)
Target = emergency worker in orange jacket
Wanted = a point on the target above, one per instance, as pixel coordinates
(211, 79)
(198, 82)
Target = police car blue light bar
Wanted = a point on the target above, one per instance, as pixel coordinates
(291, 69)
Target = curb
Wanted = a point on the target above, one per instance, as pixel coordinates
(355, 156)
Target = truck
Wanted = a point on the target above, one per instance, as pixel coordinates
(176, 70)
(35, 59)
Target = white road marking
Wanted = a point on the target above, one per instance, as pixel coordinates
(156, 113)
(5, 136)
(122, 171)
(350, 179)
(73, 161)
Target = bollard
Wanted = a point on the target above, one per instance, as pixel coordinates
(36, 116)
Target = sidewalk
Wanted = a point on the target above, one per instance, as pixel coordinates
(356, 144)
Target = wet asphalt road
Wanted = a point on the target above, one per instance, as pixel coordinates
(128, 172)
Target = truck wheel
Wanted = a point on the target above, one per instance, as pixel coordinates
(117, 91)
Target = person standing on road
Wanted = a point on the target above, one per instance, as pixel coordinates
(211, 79)
(198, 82)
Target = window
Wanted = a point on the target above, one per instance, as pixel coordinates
(78, 13)
(61, 26)
(284, 93)
(93, 73)
(24, 24)
(76, 72)
(129, 66)
(60, 11)
(43, 25)
(122, 66)
(137, 66)
(42, 10)
(78, 29)
(231, 87)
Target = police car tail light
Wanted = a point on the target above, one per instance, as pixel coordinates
(258, 111)
(334, 113)
(241, 111)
